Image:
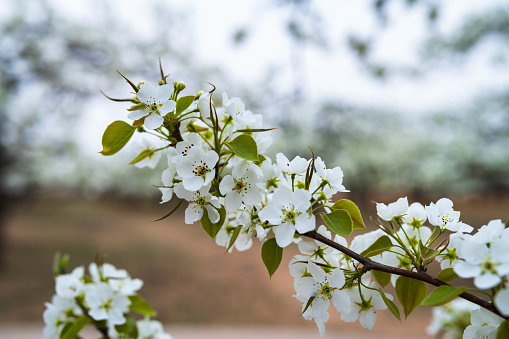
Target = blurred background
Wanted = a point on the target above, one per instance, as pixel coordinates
(409, 97)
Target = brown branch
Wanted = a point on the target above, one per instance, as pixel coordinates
(371, 265)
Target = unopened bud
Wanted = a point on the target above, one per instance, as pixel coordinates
(140, 129)
(198, 95)
(141, 83)
(179, 86)
(161, 82)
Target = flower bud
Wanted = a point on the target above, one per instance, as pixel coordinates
(179, 86)
(198, 95)
(161, 82)
(141, 83)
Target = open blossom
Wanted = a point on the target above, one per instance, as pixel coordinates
(324, 288)
(199, 201)
(197, 168)
(416, 215)
(157, 104)
(106, 304)
(70, 285)
(147, 147)
(151, 329)
(295, 167)
(57, 313)
(236, 108)
(240, 187)
(442, 214)
(333, 177)
(484, 324)
(167, 179)
(362, 308)
(289, 211)
(393, 210)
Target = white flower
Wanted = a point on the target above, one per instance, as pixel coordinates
(333, 177)
(118, 279)
(289, 211)
(167, 179)
(295, 167)
(240, 187)
(57, 313)
(393, 210)
(487, 265)
(70, 285)
(197, 168)
(151, 329)
(243, 242)
(198, 202)
(182, 147)
(157, 103)
(106, 304)
(362, 309)
(502, 301)
(485, 324)
(148, 148)
(324, 288)
(236, 108)
(416, 215)
(441, 214)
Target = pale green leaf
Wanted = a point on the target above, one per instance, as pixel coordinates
(411, 293)
(244, 146)
(183, 104)
(380, 245)
(442, 295)
(272, 255)
(339, 222)
(116, 136)
(353, 210)
(211, 228)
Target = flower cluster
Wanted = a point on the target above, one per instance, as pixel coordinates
(218, 167)
(104, 298)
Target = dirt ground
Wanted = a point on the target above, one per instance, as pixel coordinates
(197, 289)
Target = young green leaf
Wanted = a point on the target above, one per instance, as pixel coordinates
(143, 154)
(272, 255)
(390, 304)
(129, 328)
(411, 293)
(339, 222)
(426, 252)
(234, 237)
(383, 278)
(447, 275)
(355, 213)
(139, 305)
(71, 332)
(209, 227)
(116, 136)
(253, 130)
(442, 295)
(380, 245)
(503, 330)
(244, 146)
(183, 104)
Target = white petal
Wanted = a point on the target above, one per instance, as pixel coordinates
(306, 286)
(502, 301)
(138, 114)
(272, 214)
(341, 301)
(486, 281)
(193, 213)
(163, 93)
(167, 107)
(213, 214)
(284, 234)
(193, 183)
(232, 202)
(226, 185)
(320, 306)
(153, 121)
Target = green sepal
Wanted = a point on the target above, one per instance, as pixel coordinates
(383, 278)
(447, 275)
(272, 255)
(140, 306)
(128, 328)
(380, 245)
(353, 210)
(339, 222)
(427, 253)
(143, 154)
(116, 136)
(211, 228)
(234, 237)
(244, 146)
(411, 293)
(183, 104)
(71, 332)
(442, 295)
(503, 330)
(390, 304)
(134, 87)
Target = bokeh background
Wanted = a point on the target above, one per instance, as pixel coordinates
(409, 97)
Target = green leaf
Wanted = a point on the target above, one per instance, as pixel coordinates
(380, 245)
(383, 278)
(60, 263)
(139, 305)
(143, 154)
(447, 275)
(411, 293)
(442, 295)
(390, 304)
(426, 252)
(272, 255)
(503, 330)
(355, 213)
(339, 222)
(209, 227)
(234, 237)
(253, 130)
(116, 136)
(72, 331)
(129, 327)
(183, 104)
(244, 146)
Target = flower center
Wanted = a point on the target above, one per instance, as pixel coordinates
(291, 215)
(240, 185)
(201, 170)
(326, 290)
